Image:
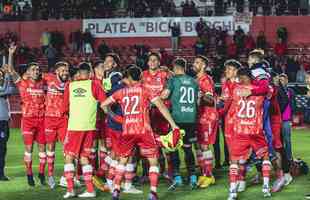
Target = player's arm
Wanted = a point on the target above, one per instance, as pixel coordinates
(165, 94)
(261, 89)
(65, 105)
(208, 98)
(164, 111)
(167, 91)
(106, 103)
(15, 76)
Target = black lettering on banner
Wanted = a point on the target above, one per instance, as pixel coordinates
(107, 28)
(91, 26)
(217, 24)
(98, 28)
(115, 27)
(228, 26)
(132, 28)
(188, 26)
(123, 28)
(149, 27)
(163, 27)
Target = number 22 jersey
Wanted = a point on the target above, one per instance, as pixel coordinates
(248, 115)
(135, 102)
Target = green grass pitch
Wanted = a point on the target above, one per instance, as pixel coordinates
(17, 189)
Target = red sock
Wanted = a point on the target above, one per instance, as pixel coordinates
(266, 169)
(88, 173)
(28, 163)
(103, 165)
(112, 170)
(78, 170)
(69, 174)
(153, 176)
(92, 158)
(50, 162)
(129, 173)
(42, 159)
(233, 177)
(242, 172)
(279, 173)
(200, 161)
(208, 163)
(119, 173)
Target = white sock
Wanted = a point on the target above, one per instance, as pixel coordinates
(127, 185)
(109, 182)
(266, 180)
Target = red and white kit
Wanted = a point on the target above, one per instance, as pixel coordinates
(137, 131)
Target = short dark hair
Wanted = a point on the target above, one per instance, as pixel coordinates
(244, 72)
(257, 55)
(84, 66)
(115, 57)
(234, 63)
(61, 63)
(134, 72)
(204, 58)
(32, 64)
(181, 62)
(157, 55)
(97, 63)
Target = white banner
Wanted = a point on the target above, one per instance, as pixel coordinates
(155, 27)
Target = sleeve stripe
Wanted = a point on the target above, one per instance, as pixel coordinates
(112, 98)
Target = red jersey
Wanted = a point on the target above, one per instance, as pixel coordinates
(135, 102)
(97, 92)
(206, 87)
(54, 95)
(248, 117)
(156, 82)
(227, 93)
(32, 97)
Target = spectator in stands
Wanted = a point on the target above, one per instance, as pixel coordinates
(249, 43)
(23, 54)
(88, 41)
(175, 35)
(292, 66)
(232, 50)
(165, 59)
(45, 40)
(261, 42)
(103, 49)
(280, 48)
(199, 47)
(239, 39)
(141, 55)
(76, 40)
(301, 75)
(51, 55)
(287, 105)
(200, 27)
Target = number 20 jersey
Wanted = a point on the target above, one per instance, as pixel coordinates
(248, 115)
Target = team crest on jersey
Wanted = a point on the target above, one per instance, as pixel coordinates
(79, 92)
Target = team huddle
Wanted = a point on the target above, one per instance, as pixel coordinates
(109, 117)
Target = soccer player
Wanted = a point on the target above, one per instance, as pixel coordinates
(207, 122)
(135, 100)
(248, 133)
(55, 122)
(31, 90)
(155, 79)
(182, 90)
(81, 99)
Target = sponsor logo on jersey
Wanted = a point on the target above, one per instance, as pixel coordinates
(79, 92)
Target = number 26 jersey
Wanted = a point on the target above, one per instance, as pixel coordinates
(248, 115)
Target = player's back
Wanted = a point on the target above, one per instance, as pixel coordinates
(135, 103)
(184, 98)
(248, 112)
